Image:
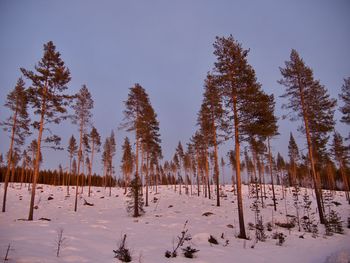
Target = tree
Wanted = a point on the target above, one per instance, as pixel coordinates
(17, 124)
(240, 88)
(211, 120)
(82, 109)
(309, 101)
(127, 162)
(180, 155)
(72, 150)
(95, 141)
(134, 113)
(293, 153)
(341, 155)
(345, 97)
(47, 97)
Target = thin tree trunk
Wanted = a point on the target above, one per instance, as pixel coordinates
(78, 172)
(9, 160)
(272, 183)
(147, 177)
(37, 160)
(216, 166)
(318, 191)
(242, 233)
(90, 166)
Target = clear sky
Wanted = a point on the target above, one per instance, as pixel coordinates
(166, 46)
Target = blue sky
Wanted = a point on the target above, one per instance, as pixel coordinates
(166, 46)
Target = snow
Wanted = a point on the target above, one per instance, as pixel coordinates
(93, 232)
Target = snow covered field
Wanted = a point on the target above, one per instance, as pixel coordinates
(93, 232)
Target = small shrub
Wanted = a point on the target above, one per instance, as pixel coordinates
(189, 252)
(349, 222)
(281, 238)
(269, 226)
(122, 253)
(213, 240)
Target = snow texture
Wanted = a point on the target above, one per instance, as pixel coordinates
(93, 232)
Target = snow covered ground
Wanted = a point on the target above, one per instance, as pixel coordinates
(93, 232)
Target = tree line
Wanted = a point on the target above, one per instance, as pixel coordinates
(234, 107)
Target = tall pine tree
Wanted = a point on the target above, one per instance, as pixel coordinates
(49, 100)
(17, 124)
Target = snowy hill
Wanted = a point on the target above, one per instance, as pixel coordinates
(93, 232)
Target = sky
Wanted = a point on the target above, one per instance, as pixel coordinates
(167, 47)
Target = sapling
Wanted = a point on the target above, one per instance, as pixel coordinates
(123, 253)
(60, 241)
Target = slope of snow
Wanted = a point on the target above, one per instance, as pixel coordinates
(93, 232)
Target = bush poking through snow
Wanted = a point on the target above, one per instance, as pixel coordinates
(122, 253)
(281, 238)
(180, 242)
(349, 222)
(60, 241)
(189, 252)
(213, 240)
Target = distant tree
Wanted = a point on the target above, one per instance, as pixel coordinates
(293, 153)
(127, 162)
(17, 124)
(280, 164)
(240, 88)
(345, 97)
(212, 122)
(341, 154)
(180, 155)
(95, 141)
(308, 100)
(47, 97)
(72, 150)
(82, 117)
(112, 151)
(223, 164)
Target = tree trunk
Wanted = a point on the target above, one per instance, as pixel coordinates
(37, 160)
(216, 166)
(272, 183)
(318, 191)
(78, 172)
(242, 233)
(147, 177)
(9, 160)
(90, 166)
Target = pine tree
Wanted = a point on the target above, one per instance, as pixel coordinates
(72, 150)
(341, 155)
(345, 97)
(293, 153)
(82, 109)
(112, 151)
(47, 97)
(17, 124)
(95, 141)
(309, 101)
(180, 155)
(240, 88)
(133, 117)
(211, 120)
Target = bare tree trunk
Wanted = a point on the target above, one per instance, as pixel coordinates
(242, 233)
(147, 177)
(216, 167)
(318, 190)
(37, 160)
(9, 161)
(272, 183)
(78, 172)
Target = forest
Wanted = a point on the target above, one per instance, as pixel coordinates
(234, 108)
